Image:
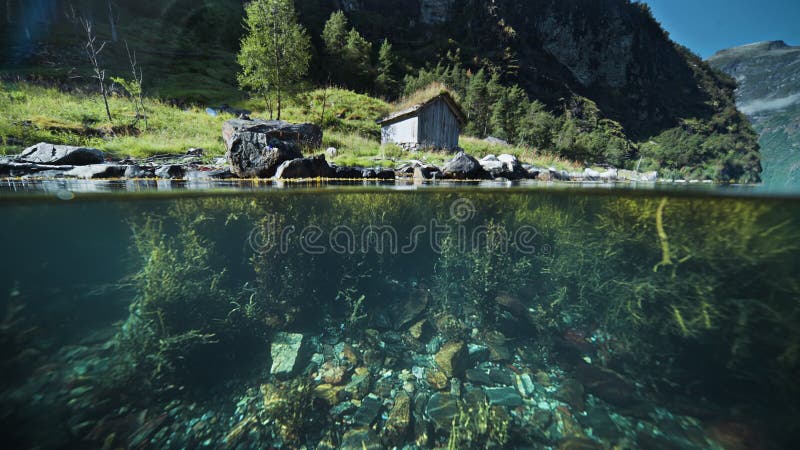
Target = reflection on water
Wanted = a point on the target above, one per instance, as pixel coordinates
(419, 318)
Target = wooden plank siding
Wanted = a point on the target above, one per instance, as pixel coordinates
(404, 132)
(438, 126)
(434, 125)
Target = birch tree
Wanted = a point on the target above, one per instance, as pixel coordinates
(275, 52)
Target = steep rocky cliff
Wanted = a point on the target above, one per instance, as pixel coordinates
(611, 51)
(768, 74)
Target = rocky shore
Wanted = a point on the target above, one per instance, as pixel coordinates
(274, 150)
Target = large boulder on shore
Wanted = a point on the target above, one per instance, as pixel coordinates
(314, 167)
(464, 167)
(256, 148)
(504, 166)
(61, 155)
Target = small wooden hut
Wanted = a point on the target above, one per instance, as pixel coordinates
(435, 123)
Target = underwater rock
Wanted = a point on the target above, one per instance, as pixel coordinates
(503, 396)
(606, 384)
(314, 167)
(478, 353)
(498, 348)
(332, 373)
(360, 383)
(598, 419)
(286, 354)
(404, 312)
(525, 385)
(436, 378)
(397, 425)
(368, 412)
(422, 330)
(573, 443)
(464, 167)
(328, 393)
(61, 155)
(500, 375)
(97, 171)
(453, 359)
(478, 376)
(441, 410)
(361, 439)
(571, 393)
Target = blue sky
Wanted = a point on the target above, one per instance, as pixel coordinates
(706, 26)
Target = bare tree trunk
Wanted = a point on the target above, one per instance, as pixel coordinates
(324, 104)
(276, 65)
(113, 22)
(93, 51)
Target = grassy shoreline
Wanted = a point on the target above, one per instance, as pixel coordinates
(30, 113)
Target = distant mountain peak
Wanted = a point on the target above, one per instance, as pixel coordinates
(755, 47)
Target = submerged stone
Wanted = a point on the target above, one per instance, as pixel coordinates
(397, 425)
(503, 396)
(441, 410)
(368, 412)
(453, 359)
(286, 355)
(361, 439)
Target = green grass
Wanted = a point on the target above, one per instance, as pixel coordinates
(30, 114)
(33, 114)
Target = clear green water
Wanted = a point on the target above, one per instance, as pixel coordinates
(598, 318)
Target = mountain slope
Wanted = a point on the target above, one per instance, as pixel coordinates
(768, 74)
(611, 51)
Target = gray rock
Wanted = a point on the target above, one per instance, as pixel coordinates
(525, 385)
(15, 169)
(464, 167)
(136, 171)
(171, 171)
(496, 141)
(287, 355)
(441, 410)
(478, 353)
(478, 376)
(403, 312)
(255, 148)
(61, 155)
(591, 175)
(368, 412)
(500, 375)
(346, 172)
(559, 175)
(504, 166)
(378, 174)
(504, 396)
(361, 439)
(314, 167)
(97, 171)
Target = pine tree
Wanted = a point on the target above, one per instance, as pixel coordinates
(334, 35)
(275, 51)
(477, 105)
(357, 60)
(386, 83)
